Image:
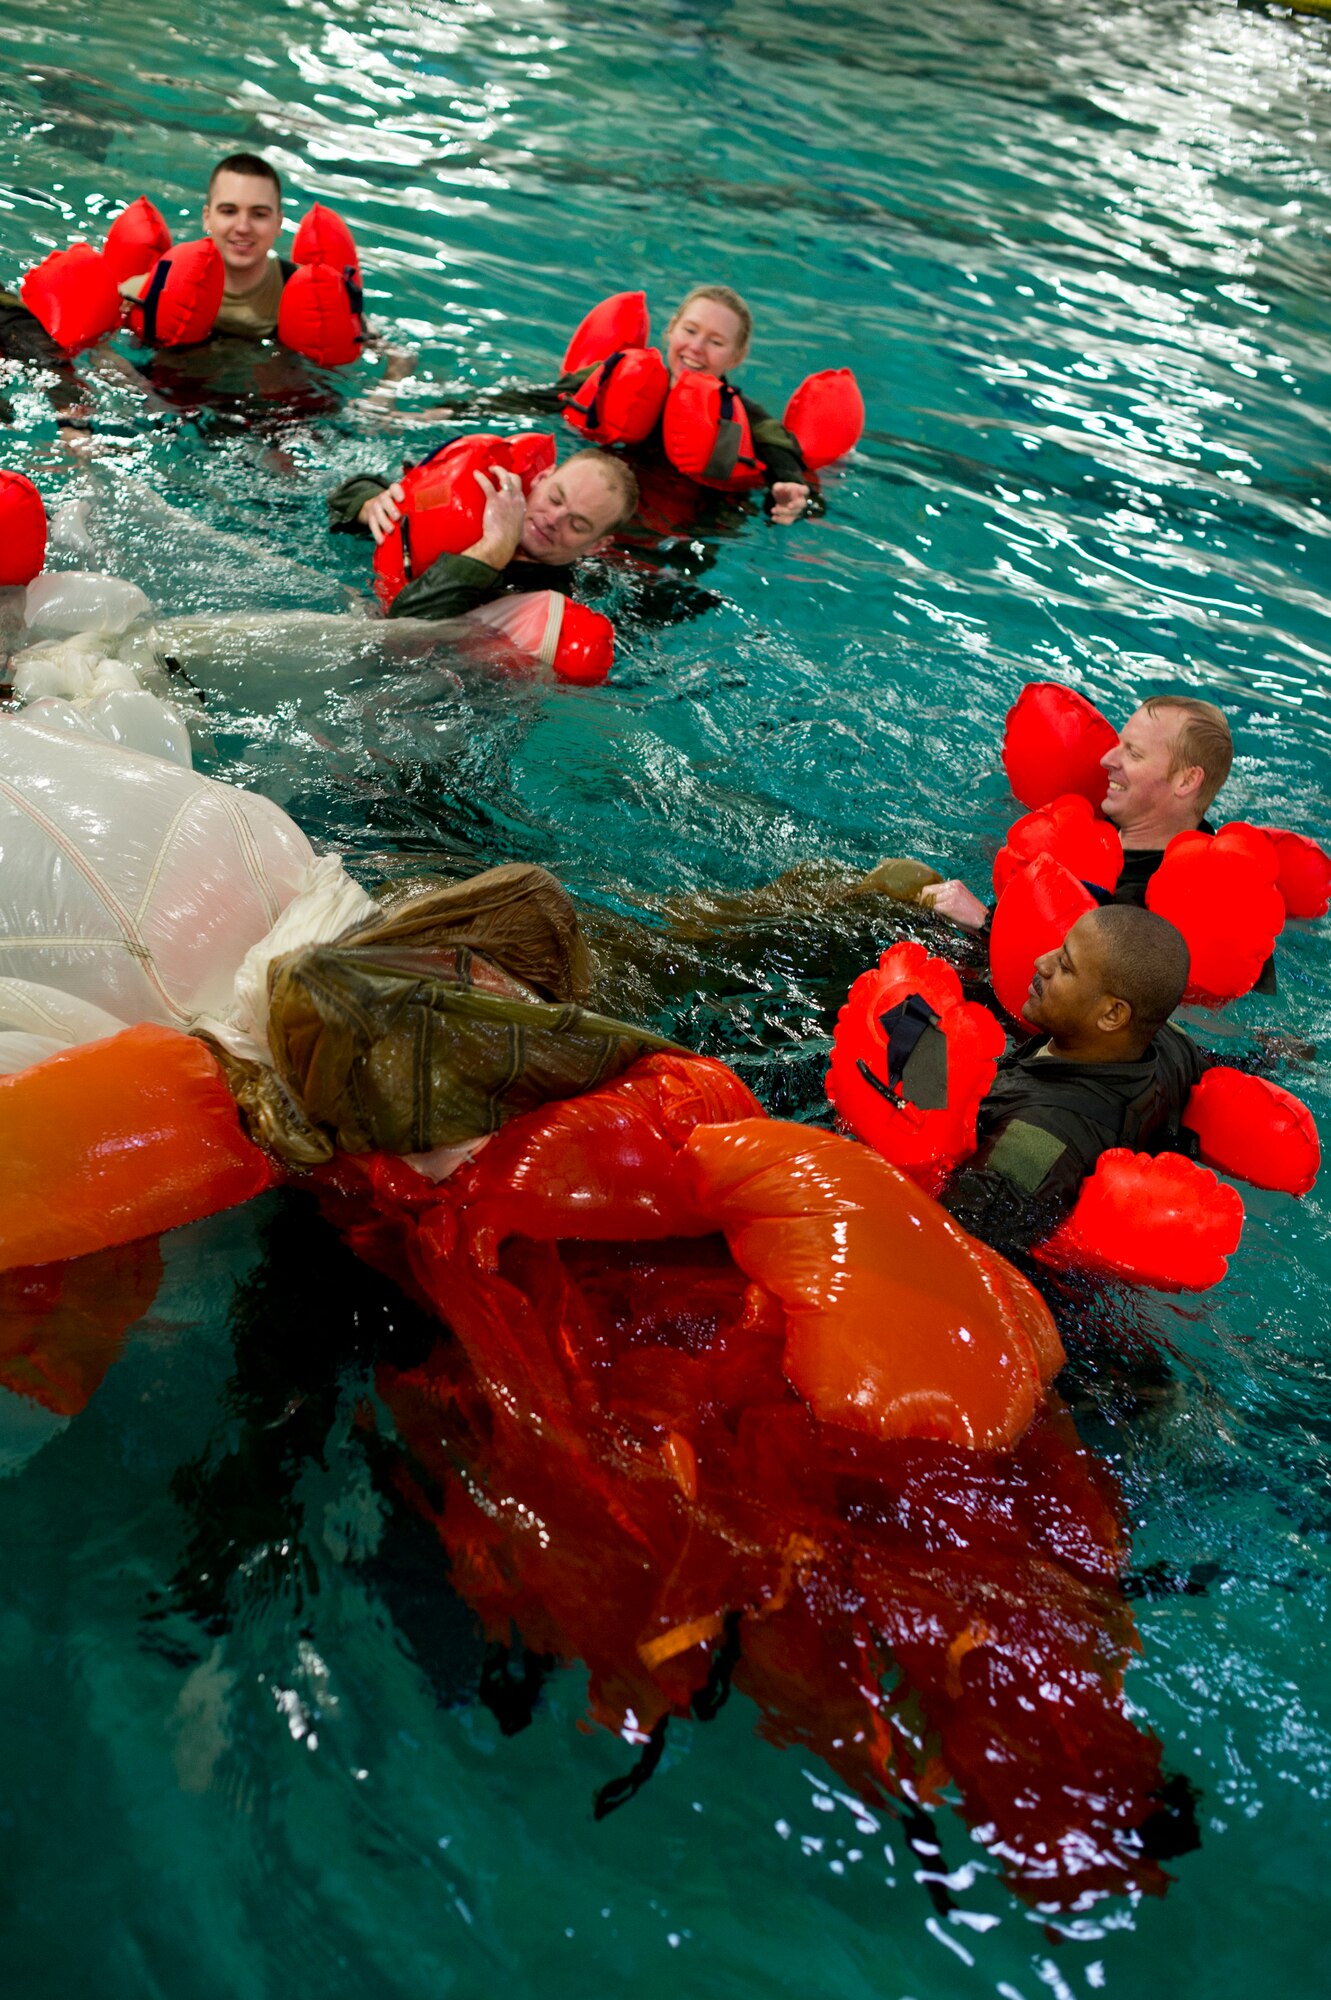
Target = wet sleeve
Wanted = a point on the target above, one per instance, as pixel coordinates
(1018, 1187)
(346, 500)
(451, 586)
(777, 451)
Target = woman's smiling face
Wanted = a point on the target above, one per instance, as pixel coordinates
(704, 335)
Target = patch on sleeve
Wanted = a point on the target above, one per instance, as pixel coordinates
(1024, 1154)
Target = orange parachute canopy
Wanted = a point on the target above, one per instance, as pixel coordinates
(661, 1441)
(894, 1321)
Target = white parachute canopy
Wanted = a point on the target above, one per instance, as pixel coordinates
(140, 887)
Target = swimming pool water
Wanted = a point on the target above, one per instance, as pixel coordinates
(1079, 260)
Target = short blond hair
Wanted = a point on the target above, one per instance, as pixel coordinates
(1203, 740)
(619, 475)
(720, 295)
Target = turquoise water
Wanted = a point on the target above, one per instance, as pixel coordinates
(1079, 259)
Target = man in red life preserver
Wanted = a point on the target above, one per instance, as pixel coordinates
(242, 213)
(1171, 759)
(1106, 1069)
(526, 543)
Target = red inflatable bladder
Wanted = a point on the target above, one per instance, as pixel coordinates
(319, 315)
(182, 297)
(706, 433)
(826, 416)
(324, 238)
(1304, 880)
(1053, 742)
(1034, 914)
(444, 503)
(74, 295)
(1070, 830)
(1220, 891)
(620, 321)
(575, 642)
(115, 1140)
(1159, 1221)
(622, 398)
(136, 240)
(922, 1141)
(22, 529)
(1254, 1130)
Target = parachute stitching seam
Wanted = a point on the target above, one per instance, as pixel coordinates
(251, 854)
(130, 939)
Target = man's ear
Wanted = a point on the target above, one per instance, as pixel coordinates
(1114, 1016)
(1189, 782)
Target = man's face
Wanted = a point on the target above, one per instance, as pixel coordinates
(569, 510)
(243, 216)
(1140, 785)
(703, 335)
(1067, 991)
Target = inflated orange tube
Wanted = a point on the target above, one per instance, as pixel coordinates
(898, 1323)
(115, 1140)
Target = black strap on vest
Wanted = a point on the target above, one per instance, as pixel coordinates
(598, 382)
(149, 302)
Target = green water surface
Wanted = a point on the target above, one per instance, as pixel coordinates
(1079, 257)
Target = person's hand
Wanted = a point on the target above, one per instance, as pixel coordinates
(955, 901)
(399, 363)
(504, 518)
(789, 500)
(382, 513)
